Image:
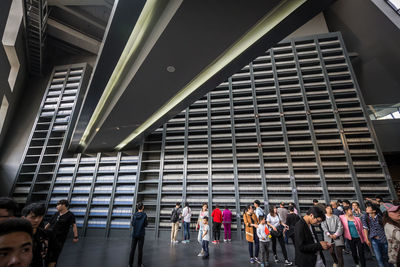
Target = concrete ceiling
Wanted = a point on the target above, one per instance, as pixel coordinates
(191, 36)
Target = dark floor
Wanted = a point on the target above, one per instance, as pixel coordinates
(114, 252)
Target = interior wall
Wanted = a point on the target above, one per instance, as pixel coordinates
(373, 36)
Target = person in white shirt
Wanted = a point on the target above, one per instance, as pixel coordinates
(277, 227)
(205, 237)
(199, 226)
(186, 214)
(264, 237)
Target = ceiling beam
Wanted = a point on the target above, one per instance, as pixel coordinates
(107, 3)
(83, 16)
(72, 36)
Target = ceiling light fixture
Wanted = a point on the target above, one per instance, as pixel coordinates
(171, 69)
(266, 24)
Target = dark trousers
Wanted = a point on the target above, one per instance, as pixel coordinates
(292, 238)
(256, 245)
(204, 245)
(135, 241)
(264, 251)
(357, 251)
(186, 230)
(281, 243)
(216, 230)
(337, 254)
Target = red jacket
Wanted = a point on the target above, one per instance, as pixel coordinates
(217, 216)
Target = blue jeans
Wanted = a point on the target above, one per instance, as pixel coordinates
(186, 230)
(381, 251)
(205, 247)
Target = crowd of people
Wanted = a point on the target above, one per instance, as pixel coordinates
(343, 227)
(26, 241)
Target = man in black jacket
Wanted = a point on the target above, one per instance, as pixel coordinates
(139, 222)
(308, 248)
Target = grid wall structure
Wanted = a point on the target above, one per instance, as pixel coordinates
(291, 126)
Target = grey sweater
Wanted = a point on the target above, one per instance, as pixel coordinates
(333, 225)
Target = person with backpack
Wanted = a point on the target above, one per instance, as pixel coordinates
(175, 216)
(139, 222)
(187, 215)
(374, 233)
(291, 221)
(199, 226)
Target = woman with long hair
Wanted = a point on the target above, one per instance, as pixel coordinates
(353, 232)
(199, 226)
(278, 228)
(251, 223)
(391, 222)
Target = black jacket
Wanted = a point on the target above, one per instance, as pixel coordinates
(306, 248)
(139, 222)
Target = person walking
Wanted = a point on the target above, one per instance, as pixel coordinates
(251, 223)
(277, 227)
(139, 223)
(332, 229)
(227, 221)
(217, 221)
(199, 225)
(187, 215)
(374, 233)
(264, 237)
(175, 216)
(353, 232)
(308, 248)
(391, 222)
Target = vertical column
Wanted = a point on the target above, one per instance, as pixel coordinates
(340, 126)
(259, 141)
(235, 164)
(284, 131)
(311, 126)
(209, 160)
(160, 180)
(111, 206)
(135, 196)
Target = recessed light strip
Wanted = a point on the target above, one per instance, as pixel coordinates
(266, 24)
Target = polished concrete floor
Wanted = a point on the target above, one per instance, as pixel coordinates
(114, 252)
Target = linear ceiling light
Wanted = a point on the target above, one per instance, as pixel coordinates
(136, 39)
(266, 24)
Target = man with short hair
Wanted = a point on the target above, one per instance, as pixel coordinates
(8, 208)
(139, 223)
(346, 203)
(335, 209)
(308, 248)
(15, 242)
(319, 205)
(258, 211)
(43, 240)
(60, 223)
(175, 216)
(374, 233)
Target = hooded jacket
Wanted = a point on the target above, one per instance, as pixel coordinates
(139, 222)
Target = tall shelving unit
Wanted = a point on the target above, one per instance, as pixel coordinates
(290, 126)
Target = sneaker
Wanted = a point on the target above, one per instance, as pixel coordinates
(252, 260)
(257, 260)
(225, 240)
(201, 254)
(176, 241)
(288, 263)
(229, 240)
(276, 259)
(214, 242)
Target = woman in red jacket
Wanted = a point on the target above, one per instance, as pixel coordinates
(217, 220)
(353, 232)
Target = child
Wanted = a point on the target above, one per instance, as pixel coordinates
(264, 237)
(227, 219)
(205, 237)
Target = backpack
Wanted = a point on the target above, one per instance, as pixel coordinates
(175, 215)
